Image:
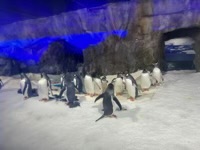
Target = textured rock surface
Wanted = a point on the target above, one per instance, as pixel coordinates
(145, 20)
(8, 66)
(144, 44)
(60, 57)
(108, 17)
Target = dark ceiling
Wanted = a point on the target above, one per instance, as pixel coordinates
(18, 10)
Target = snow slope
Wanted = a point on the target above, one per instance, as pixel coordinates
(164, 118)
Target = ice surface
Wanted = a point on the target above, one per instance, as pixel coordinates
(180, 41)
(164, 118)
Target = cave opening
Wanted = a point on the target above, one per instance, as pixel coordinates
(179, 49)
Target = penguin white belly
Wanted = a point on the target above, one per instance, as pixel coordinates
(145, 81)
(62, 81)
(43, 89)
(89, 85)
(97, 86)
(114, 104)
(22, 84)
(104, 85)
(157, 75)
(75, 81)
(130, 88)
(65, 95)
(118, 86)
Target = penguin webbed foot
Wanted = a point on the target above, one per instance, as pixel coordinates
(73, 104)
(131, 98)
(122, 109)
(26, 97)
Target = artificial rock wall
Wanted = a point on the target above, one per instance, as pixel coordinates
(144, 43)
(145, 21)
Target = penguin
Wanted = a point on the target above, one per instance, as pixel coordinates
(145, 80)
(104, 83)
(27, 88)
(62, 80)
(131, 86)
(69, 91)
(108, 96)
(78, 83)
(89, 85)
(48, 83)
(43, 91)
(21, 84)
(156, 75)
(118, 85)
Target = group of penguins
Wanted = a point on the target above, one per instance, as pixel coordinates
(91, 85)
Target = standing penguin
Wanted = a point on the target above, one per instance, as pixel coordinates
(156, 75)
(62, 80)
(43, 91)
(104, 83)
(21, 83)
(27, 89)
(78, 83)
(131, 86)
(48, 83)
(118, 84)
(108, 96)
(145, 80)
(69, 92)
(89, 85)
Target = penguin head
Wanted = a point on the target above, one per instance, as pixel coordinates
(41, 75)
(144, 71)
(68, 78)
(155, 64)
(110, 89)
(21, 75)
(103, 78)
(24, 75)
(44, 75)
(118, 75)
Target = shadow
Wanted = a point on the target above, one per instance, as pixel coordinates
(124, 113)
(81, 98)
(132, 113)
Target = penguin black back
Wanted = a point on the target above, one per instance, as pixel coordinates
(108, 96)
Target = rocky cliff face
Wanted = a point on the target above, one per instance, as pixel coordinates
(146, 21)
(145, 44)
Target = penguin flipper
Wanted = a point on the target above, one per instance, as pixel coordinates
(100, 118)
(117, 102)
(100, 96)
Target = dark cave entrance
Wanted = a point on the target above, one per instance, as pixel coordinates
(180, 49)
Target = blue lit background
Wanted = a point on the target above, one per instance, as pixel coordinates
(38, 23)
(24, 50)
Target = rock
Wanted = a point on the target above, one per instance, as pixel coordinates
(145, 21)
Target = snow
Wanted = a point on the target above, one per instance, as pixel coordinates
(180, 41)
(164, 118)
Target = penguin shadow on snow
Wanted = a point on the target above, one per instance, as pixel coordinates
(129, 113)
(124, 113)
(81, 98)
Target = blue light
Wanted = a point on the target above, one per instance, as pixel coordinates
(25, 50)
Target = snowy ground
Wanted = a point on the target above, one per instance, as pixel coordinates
(164, 118)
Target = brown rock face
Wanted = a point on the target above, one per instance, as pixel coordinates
(146, 22)
(145, 41)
